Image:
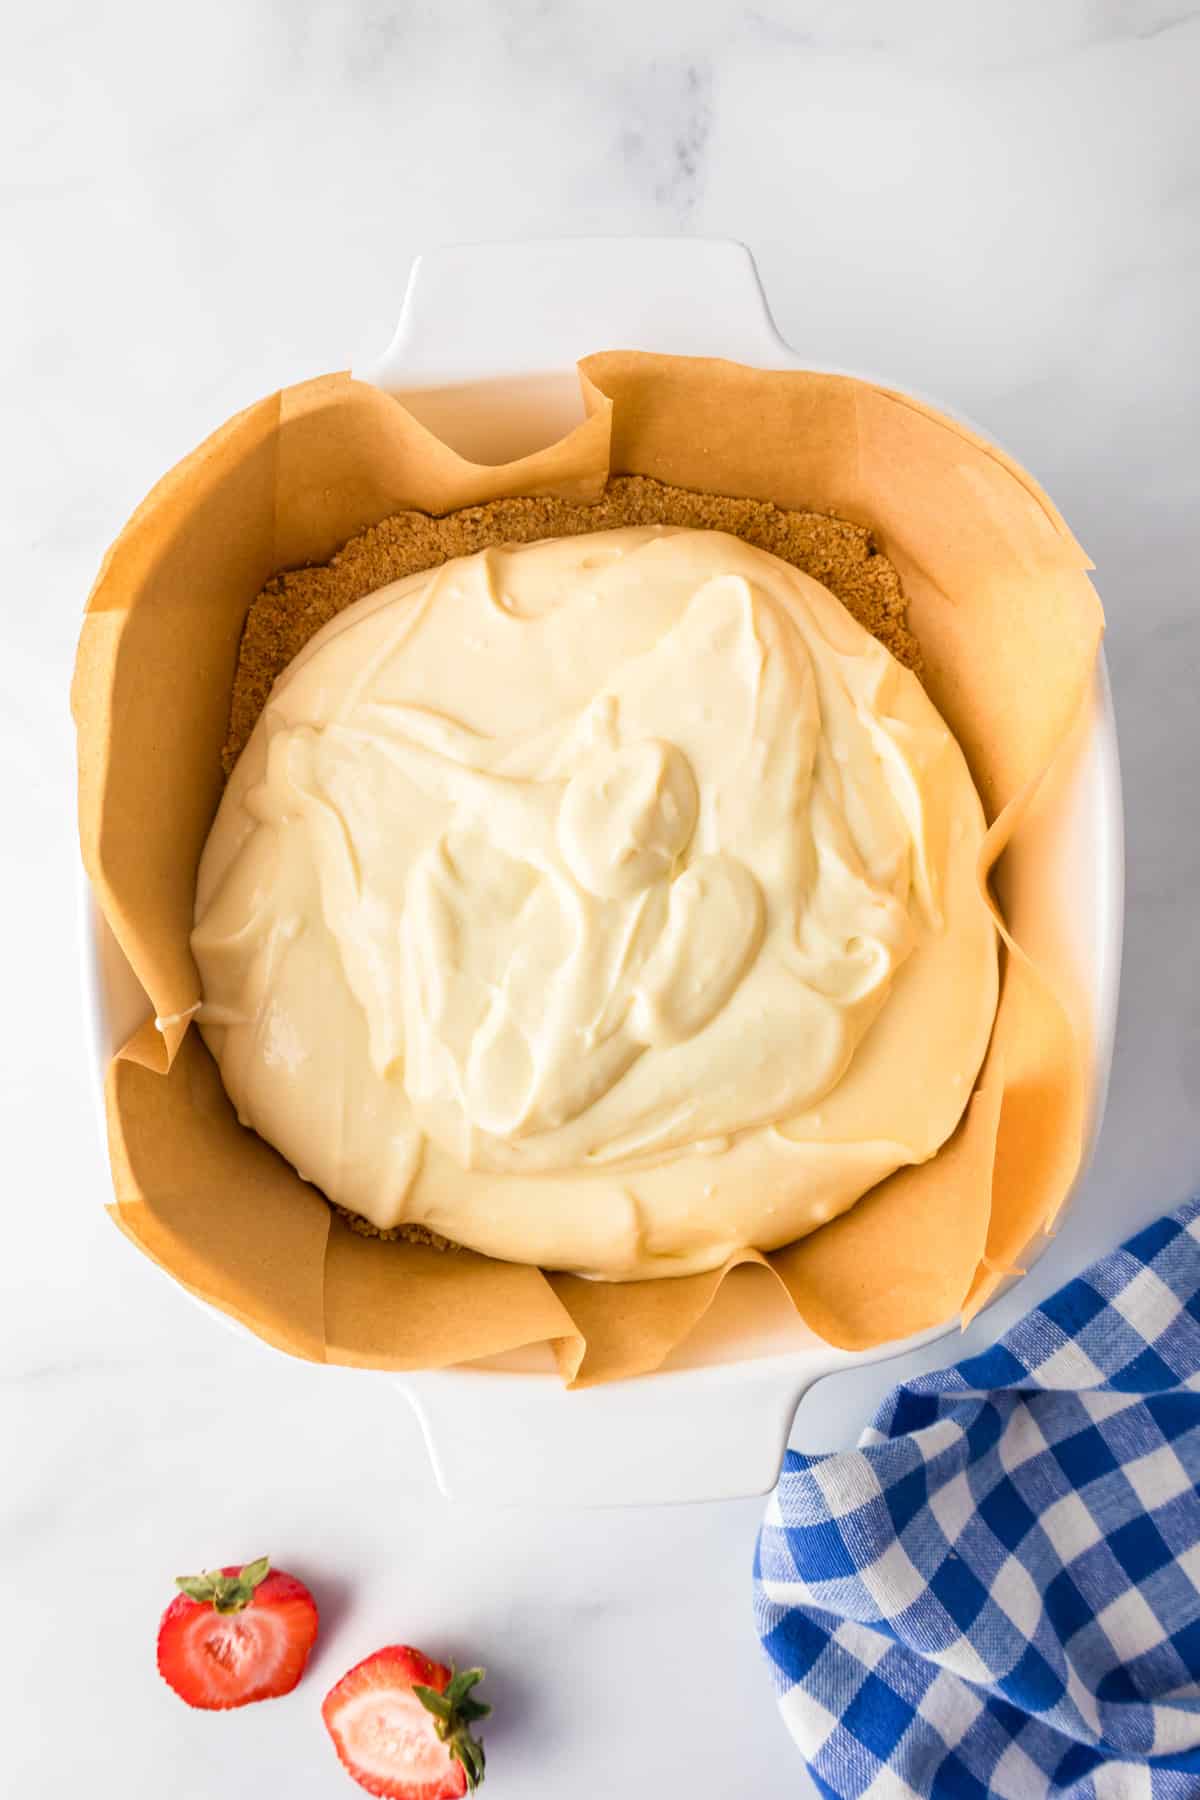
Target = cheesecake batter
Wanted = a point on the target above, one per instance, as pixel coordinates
(607, 903)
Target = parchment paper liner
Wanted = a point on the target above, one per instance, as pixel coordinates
(1009, 625)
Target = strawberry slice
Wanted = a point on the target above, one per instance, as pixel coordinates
(402, 1726)
(234, 1635)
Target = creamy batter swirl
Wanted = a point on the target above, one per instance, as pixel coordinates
(607, 903)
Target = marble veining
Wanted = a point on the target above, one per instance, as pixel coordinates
(994, 205)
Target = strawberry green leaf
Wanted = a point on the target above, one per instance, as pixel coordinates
(438, 1704)
(196, 1587)
(469, 1752)
(461, 1684)
(255, 1572)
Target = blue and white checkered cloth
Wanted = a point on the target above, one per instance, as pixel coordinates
(998, 1593)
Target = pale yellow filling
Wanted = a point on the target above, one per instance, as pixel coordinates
(607, 903)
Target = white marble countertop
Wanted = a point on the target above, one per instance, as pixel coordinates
(997, 206)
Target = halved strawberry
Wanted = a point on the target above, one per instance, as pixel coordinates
(235, 1635)
(402, 1726)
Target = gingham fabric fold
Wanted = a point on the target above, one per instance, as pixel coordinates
(996, 1594)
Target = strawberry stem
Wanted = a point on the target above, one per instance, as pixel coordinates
(225, 1593)
(454, 1712)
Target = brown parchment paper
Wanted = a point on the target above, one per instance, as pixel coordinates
(1009, 626)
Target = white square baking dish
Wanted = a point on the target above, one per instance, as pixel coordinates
(484, 354)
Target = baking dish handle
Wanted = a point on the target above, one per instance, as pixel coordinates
(488, 311)
(715, 1433)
